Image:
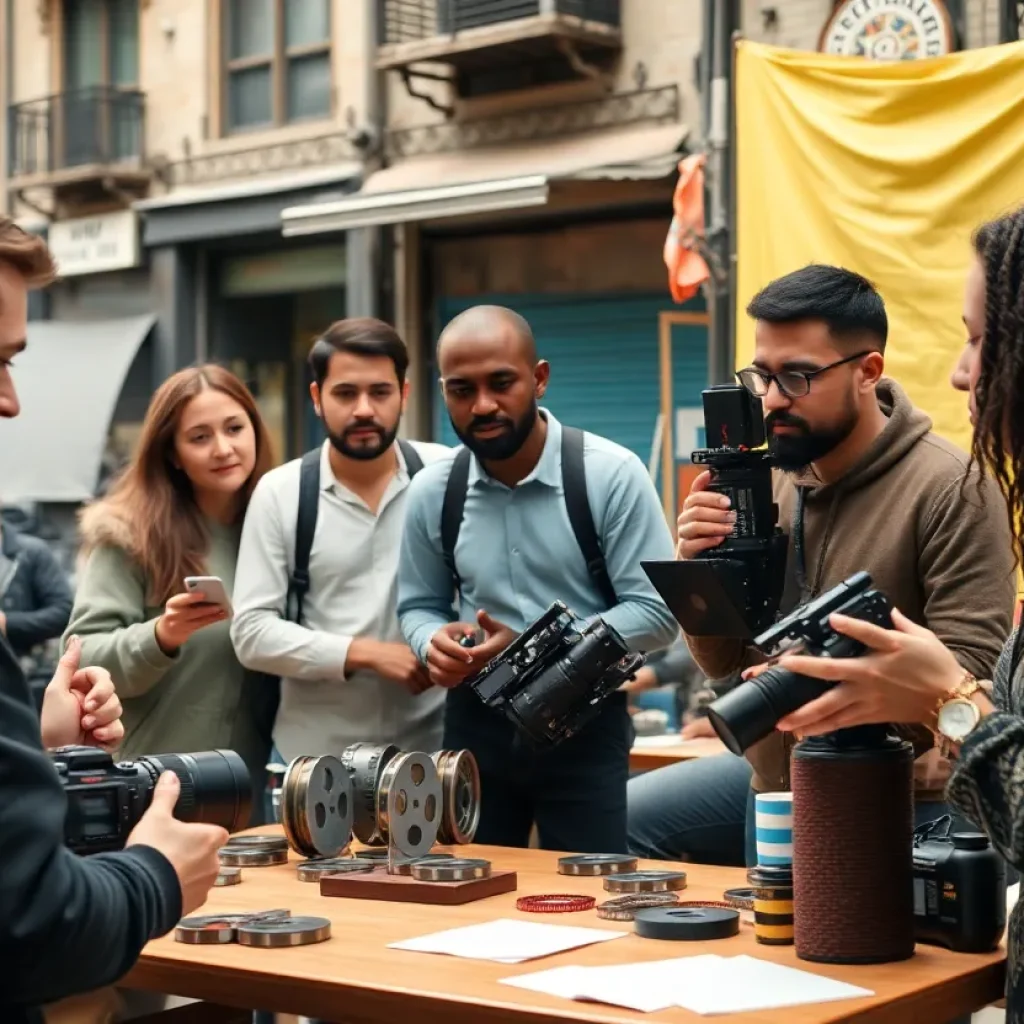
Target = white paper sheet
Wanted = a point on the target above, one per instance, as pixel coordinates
(668, 739)
(743, 984)
(506, 940)
(705, 984)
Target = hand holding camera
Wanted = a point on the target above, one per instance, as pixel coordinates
(900, 678)
(706, 519)
(455, 652)
(190, 847)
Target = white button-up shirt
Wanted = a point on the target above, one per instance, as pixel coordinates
(353, 568)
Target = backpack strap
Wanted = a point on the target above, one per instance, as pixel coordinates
(413, 462)
(577, 504)
(305, 527)
(451, 510)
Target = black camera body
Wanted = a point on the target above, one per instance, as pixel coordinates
(554, 677)
(959, 890)
(747, 714)
(751, 562)
(106, 799)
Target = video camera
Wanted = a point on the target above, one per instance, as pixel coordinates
(749, 713)
(553, 678)
(734, 589)
(107, 799)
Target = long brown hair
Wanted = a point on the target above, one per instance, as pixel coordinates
(152, 502)
(998, 441)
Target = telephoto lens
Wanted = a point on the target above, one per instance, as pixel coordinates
(746, 715)
(216, 788)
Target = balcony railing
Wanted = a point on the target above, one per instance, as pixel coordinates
(407, 21)
(98, 126)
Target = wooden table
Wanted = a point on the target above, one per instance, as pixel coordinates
(354, 979)
(645, 759)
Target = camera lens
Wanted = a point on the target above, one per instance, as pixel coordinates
(746, 715)
(216, 788)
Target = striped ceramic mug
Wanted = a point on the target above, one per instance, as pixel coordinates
(773, 821)
(773, 904)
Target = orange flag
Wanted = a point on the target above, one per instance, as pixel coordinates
(687, 270)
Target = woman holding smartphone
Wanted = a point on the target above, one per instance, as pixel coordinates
(176, 512)
(907, 675)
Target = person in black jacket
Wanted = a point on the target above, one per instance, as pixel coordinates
(70, 924)
(35, 602)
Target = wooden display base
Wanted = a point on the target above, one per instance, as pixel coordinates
(379, 885)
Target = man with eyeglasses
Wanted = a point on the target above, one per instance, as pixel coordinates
(862, 484)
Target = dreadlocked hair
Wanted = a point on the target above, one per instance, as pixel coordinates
(998, 442)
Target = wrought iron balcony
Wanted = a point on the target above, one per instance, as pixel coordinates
(478, 34)
(74, 136)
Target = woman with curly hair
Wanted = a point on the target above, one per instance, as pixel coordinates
(177, 511)
(909, 676)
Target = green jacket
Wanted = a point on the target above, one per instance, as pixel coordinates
(201, 698)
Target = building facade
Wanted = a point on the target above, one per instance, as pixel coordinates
(223, 178)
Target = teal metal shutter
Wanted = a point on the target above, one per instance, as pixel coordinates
(603, 352)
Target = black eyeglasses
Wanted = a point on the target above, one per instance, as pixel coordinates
(792, 383)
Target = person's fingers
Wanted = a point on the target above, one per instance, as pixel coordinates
(829, 669)
(489, 624)
(68, 664)
(821, 709)
(165, 793)
(109, 736)
(909, 626)
(446, 646)
(698, 530)
(867, 633)
(109, 711)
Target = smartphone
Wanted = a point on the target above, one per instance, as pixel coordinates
(212, 588)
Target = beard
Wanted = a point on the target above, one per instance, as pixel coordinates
(371, 441)
(501, 446)
(795, 452)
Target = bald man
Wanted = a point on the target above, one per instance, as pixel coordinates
(515, 554)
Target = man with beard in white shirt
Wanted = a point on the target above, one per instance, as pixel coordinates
(347, 675)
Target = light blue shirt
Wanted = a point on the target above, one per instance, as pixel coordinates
(516, 551)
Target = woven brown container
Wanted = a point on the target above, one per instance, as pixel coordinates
(853, 824)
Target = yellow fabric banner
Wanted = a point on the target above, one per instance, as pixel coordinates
(884, 168)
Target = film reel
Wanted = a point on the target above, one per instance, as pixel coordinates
(409, 804)
(597, 864)
(404, 867)
(291, 931)
(220, 929)
(646, 881)
(460, 785)
(365, 763)
(257, 842)
(317, 806)
(245, 857)
(312, 870)
(624, 908)
(455, 870)
(228, 876)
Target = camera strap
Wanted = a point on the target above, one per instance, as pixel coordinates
(577, 505)
(305, 522)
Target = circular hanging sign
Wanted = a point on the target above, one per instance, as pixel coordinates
(888, 30)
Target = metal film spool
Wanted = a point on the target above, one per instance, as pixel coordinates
(294, 931)
(646, 881)
(205, 931)
(455, 870)
(316, 806)
(687, 923)
(404, 867)
(624, 908)
(261, 842)
(228, 876)
(313, 870)
(244, 858)
(460, 783)
(365, 763)
(597, 864)
(409, 804)
(741, 899)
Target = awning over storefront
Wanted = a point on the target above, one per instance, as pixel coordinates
(490, 179)
(68, 379)
(204, 213)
